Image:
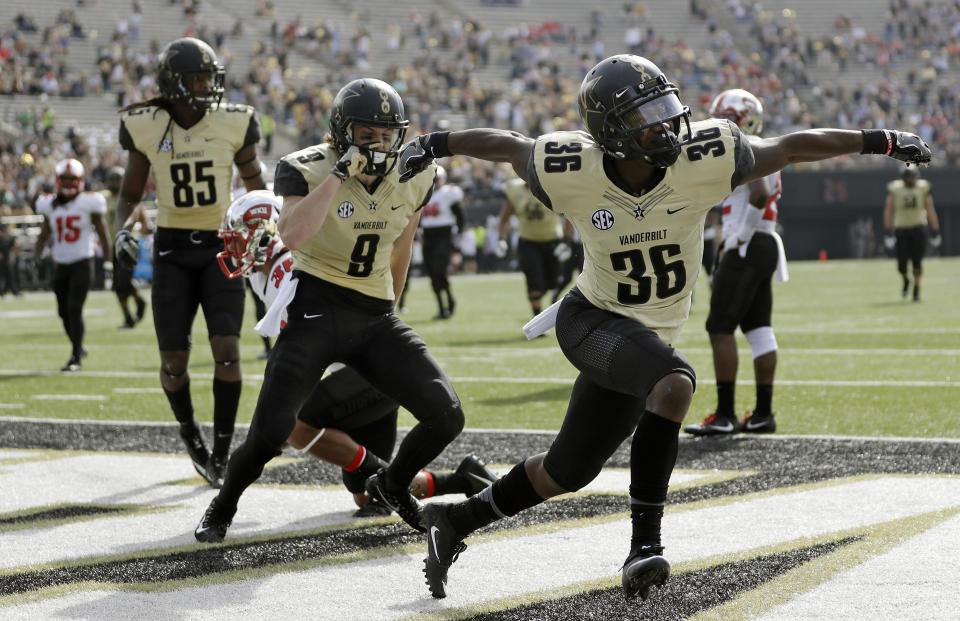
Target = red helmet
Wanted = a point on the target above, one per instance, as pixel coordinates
(249, 232)
(69, 178)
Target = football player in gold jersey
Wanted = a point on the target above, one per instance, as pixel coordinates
(906, 214)
(541, 236)
(637, 186)
(350, 224)
(191, 140)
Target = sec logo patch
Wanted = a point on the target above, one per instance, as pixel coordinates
(345, 209)
(602, 219)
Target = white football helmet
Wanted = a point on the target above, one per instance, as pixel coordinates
(249, 232)
(740, 106)
(69, 177)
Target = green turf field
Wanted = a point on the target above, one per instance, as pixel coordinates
(855, 359)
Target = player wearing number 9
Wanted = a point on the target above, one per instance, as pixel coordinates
(350, 224)
(192, 140)
(637, 185)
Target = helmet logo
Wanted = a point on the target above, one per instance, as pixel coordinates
(385, 102)
(602, 219)
(345, 209)
(256, 212)
(644, 76)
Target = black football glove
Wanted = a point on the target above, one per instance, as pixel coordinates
(417, 154)
(126, 249)
(909, 148)
(352, 162)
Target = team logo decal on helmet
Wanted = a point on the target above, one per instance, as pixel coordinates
(249, 233)
(372, 103)
(621, 98)
(69, 177)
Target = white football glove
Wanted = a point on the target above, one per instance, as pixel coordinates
(889, 242)
(502, 248)
(563, 252)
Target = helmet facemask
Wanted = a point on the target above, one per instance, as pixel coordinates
(69, 178)
(249, 234)
(646, 106)
(379, 162)
(200, 100)
(368, 102)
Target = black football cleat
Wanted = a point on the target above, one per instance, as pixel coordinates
(372, 509)
(401, 501)
(215, 522)
(644, 569)
(72, 365)
(475, 473)
(214, 470)
(190, 434)
(141, 306)
(714, 425)
(753, 423)
(444, 545)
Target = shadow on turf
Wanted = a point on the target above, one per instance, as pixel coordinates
(561, 393)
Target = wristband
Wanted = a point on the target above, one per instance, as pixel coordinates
(438, 144)
(877, 141)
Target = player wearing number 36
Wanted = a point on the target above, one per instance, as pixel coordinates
(350, 224)
(637, 186)
(191, 140)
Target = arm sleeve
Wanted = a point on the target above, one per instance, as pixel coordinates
(126, 140)
(743, 157)
(253, 131)
(288, 181)
(533, 180)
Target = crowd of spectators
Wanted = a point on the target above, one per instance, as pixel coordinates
(457, 72)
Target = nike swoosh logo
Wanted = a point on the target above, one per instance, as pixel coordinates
(306, 316)
(433, 538)
(727, 427)
(164, 253)
(672, 211)
(480, 478)
(753, 425)
(396, 207)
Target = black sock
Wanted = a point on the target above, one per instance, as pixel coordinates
(439, 297)
(764, 400)
(653, 454)
(245, 466)
(226, 398)
(450, 301)
(509, 495)
(725, 392)
(181, 404)
(449, 483)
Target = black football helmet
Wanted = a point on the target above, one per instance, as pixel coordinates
(187, 56)
(374, 103)
(624, 95)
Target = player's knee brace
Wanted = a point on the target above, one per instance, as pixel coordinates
(762, 341)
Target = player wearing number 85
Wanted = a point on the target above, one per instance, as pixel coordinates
(350, 224)
(192, 140)
(637, 186)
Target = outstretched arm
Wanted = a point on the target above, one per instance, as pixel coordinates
(493, 145)
(813, 145)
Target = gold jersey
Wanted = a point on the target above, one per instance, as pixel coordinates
(641, 253)
(909, 204)
(192, 168)
(353, 246)
(534, 220)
